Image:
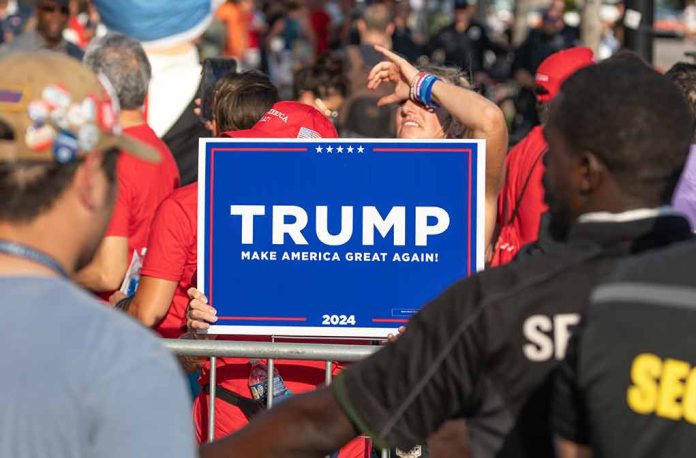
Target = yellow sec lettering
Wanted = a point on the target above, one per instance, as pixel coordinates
(689, 402)
(642, 395)
(672, 389)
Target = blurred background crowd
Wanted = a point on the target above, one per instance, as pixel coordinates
(499, 43)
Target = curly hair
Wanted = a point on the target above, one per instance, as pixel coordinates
(325, 77)
(683, 74)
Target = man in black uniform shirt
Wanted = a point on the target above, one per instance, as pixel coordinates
(463, 43)
(618, 135)
(628, 387)
(552, 36)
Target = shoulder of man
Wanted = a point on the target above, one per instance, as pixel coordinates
(180, 206)
(27, 41)
(105, 343)
(137, 398)
(669, 266)
(476, 326)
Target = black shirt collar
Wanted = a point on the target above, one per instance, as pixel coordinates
(642, 233)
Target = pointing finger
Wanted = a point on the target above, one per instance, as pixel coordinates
(389, 54)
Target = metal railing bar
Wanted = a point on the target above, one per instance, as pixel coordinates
(211, 399)
(269, 388)
(298, 351)
(329, 373)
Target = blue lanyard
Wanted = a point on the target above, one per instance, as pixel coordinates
(23, 251)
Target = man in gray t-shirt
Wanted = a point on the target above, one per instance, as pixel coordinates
(77, 379)
(80, 380)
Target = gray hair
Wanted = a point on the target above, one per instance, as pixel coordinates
(124, 63)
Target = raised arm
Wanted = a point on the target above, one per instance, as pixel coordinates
(486, 121)
(477, 114)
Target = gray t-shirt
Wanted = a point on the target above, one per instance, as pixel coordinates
(80, 380)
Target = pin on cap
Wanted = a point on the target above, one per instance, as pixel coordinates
(56, 96)
(65, 147)
(39, 138)
(38, 111)
(76, 116)
(89, 108)
(88, 137)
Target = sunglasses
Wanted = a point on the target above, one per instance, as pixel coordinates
(54, 8)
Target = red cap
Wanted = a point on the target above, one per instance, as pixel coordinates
(556, 68)
(289, 120)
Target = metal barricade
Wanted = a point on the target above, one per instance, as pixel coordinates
(266, 350)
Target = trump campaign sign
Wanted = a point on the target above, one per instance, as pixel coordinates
(335, 237)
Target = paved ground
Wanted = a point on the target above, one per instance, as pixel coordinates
(668, 52)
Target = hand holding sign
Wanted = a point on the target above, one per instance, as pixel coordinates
(199, 314)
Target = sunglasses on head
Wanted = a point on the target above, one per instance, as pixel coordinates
(53, 8)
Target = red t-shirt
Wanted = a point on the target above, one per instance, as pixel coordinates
(142, 186)
(524, 189)
(171, 253)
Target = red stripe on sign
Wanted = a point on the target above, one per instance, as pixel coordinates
(468, 238)
(422, 150)
(210, 247)
(260, 318)
(389, 320)
(259, 150)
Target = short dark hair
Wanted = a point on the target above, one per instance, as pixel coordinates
(29, 188)
(634, 120)
(241, 99)
(377, 17)
(325, 77)
(683, 74)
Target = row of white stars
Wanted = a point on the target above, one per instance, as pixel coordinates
(339, 149)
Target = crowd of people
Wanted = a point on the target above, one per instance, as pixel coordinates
(589, 223)
(282, 39)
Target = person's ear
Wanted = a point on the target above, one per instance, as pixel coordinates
(591, 173)
(90, 181)
(361, 26)
(390, 29)
(212, 127)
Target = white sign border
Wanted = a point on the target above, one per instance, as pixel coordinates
(334, 331)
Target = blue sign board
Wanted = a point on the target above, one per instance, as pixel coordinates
(335, 237)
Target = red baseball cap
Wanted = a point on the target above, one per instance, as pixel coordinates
(556, 68)
(289, 120)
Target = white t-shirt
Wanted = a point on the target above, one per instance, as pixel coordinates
(174, 83)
